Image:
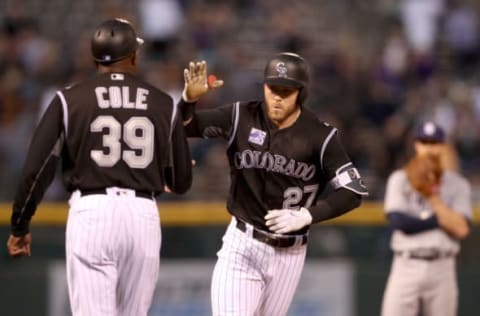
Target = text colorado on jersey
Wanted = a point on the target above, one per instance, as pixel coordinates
(275, 163)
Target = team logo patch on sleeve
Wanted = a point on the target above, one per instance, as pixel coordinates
(348, 177)
(257, 136)
(353, 174)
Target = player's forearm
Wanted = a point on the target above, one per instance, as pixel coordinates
(336, 204)
(453, 223)
(189, 119)
(187, 109)
(178, 175)
(20, 222)
(409, 224)
(39, 169)
(33, 185)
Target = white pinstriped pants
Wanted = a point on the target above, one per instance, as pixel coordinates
(112, 253)
(252, 278)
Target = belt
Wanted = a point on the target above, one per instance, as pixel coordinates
(142, 194)
(424, 255)
(269, 239)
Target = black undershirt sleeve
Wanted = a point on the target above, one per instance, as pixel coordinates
(211, 123)
(411, 225)
(335, 204)
(187, 109)
(39, 168)
(178, 173)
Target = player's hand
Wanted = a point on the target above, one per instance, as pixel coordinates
(424, 174)
(286, 221)
(197, 83)
(19, 246)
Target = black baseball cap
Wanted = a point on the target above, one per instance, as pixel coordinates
(429, 132)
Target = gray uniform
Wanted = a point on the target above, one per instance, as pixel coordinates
(423, 269)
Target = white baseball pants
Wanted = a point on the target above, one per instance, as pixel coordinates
(252, 278)
(414, 285)
(112, 253)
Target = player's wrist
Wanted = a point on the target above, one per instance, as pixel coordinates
(19, 231)
(306, 215)
(434, 200)
(188, 99)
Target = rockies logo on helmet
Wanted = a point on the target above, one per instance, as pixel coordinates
(289, 70)
(281, 69)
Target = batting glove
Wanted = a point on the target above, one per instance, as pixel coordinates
(286, 220)
(196, 81)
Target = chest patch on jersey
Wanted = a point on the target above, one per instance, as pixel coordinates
(257, 136)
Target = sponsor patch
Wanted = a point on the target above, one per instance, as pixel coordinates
(257, 136)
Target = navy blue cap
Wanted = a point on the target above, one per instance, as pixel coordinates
(430, 132)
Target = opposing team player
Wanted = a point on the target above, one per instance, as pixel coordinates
(119, 143)
(282, 157)
(427, 205)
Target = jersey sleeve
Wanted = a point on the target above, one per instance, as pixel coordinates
(462, 203)
(343, 177)
(394, 200)
(337, 166)
(39, 168)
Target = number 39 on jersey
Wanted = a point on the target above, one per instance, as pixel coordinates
(137, 133)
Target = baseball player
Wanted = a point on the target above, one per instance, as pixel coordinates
(119, 143)
(428, 208)
(281, 157)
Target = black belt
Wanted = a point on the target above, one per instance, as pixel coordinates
(283, 242)
(422, 255)
(142, 194)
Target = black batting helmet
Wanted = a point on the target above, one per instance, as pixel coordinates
(289, 70)
(114, 40)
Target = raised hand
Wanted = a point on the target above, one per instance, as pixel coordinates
(197, 83)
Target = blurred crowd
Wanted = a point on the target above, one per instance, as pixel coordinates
(377, 68)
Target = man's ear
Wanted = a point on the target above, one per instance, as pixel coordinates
(133, 60)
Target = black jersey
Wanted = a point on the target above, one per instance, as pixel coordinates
(272, 168)
(111, 130)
